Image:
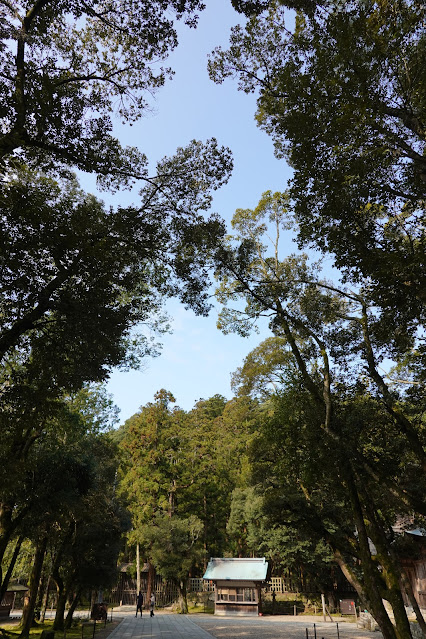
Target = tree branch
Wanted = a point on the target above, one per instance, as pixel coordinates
(390, 403)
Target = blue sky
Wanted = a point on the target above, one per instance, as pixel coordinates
(197, 360)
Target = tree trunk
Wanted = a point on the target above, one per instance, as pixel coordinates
(205, 531)
(150, 587)
(45, 601)
(28, 612)
(391, 571)
(172, 498)
(183, 602)
(394, 597)
(4, 584)
(372, 579)
(71, 611)
(5, 533)
(58, 623)
(138, 570)
(40, 594)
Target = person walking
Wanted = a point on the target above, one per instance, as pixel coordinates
(139, 603)
(151, 605)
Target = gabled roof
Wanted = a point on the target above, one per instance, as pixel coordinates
(237, 569)
(17, 588)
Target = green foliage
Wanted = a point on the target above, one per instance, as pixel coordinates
(216, 439)
(23, 564)
(68, 68)
(265, 369)
(80, 517)
(337, 449)
(78, 279)
(152, 459)
(185, 464)
(176, 545)
(341, 92)
(301, 477)
(85, 536)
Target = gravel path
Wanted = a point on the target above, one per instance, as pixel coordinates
(167, 625)
(279, 627)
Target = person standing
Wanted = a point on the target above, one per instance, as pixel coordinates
(151, 605)
(139, 603)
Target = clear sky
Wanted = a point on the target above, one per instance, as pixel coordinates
(197, 360)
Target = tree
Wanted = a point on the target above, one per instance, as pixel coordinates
(88, 539)
(215, 442)
(151, 446)
(151, 479)
(78, 279)
(257, 528)
(175, 548)
(68, 68)
(264, 370)
(303, 489)
(79, 522)
(342, 95)
(83, 278)
(65, 446)
(328, 331)
(185, 465)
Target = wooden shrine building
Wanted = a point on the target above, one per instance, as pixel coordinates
(237, 585)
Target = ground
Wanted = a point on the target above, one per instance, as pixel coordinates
(167, 625)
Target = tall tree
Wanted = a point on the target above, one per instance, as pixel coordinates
(88, 537)
(186, 464)
(66, 446)
(151, 446)
(80, 521)
(328, 332)
(175, 548)
(341, 91)
(60, 258)
(151, 480)
(216, 444)
(258, 528)
(77, 279)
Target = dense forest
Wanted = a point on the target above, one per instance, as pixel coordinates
(320, 457)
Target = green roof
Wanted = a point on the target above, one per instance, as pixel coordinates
(16, 588)
(224, 569)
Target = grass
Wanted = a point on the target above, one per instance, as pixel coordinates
(77, 631)
(198, 608)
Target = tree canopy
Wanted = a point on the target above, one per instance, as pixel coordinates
(322, 454)
(80, 280)
(69, 68)
(336, 417)
(77, 524)
(341, 91)
(179, 470)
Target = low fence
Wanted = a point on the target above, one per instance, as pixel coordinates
(200, 585)
(276, 584)
(166, 593)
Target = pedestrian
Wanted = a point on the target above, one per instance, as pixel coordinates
(151, 605)
(139, 603)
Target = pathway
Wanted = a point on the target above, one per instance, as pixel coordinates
(279, 627)
(161, 626)
(173, 626)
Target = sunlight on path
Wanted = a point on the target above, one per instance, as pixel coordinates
(165, 625)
